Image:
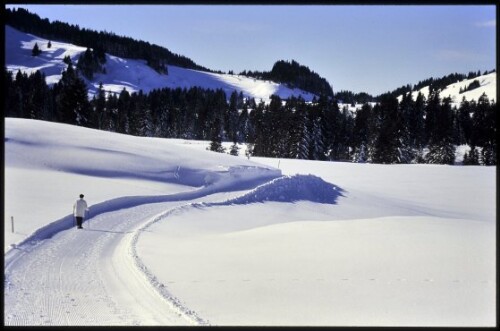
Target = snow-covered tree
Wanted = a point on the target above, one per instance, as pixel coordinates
(234, 150)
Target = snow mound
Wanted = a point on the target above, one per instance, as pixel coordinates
(290, 189)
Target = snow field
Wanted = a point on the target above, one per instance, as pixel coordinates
(194, 237)
(399, 247)
(371, 272)
(114, 171)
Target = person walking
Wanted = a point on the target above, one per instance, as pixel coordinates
(79, 209)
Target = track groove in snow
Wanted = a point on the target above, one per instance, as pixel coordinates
(84, 269)
(75, 279)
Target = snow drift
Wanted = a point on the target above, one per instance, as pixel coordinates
(290, 189)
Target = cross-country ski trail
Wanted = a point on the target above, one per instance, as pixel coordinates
(88, 277)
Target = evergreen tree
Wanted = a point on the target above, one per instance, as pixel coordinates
(89, 63)
(361, 134)
(244, 125)
(136, 114)
(304, 147)
(36, 50)
(441, 148)
(216, 140)
(72, 102)
(388, 142)
(432, 109)
(234, 149)
(259, 140)
(231, 118)
(479, 135)
(122, 114)
(100, 110)
(67, 60)
(471, 157)
(40, 98)
(465, 122)
(317, 152)
(10, 94)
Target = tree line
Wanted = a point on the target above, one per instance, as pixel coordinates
(420, 130)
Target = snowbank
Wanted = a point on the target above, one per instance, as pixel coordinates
(290, 189)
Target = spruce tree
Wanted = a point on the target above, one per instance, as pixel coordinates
(231, 118)
(388, 142)
(36, 50)
(216, 139)
(441, 148)
(122, 112)
(304, 145)
(234, 149)
(72, 102)
(465, 121)
(361, 134)
(100, 108)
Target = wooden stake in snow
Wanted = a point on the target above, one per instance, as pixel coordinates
(12, 223)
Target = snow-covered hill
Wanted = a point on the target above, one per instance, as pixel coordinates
(488, 85)
(179, 235)
(134, 75)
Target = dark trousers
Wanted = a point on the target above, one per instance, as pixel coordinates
(79, 221)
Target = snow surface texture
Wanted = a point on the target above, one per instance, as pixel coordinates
(227, 243)
(133, 75)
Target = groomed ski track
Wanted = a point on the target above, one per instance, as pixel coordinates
(95, 273)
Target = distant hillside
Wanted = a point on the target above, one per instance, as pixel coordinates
(470, 89)
(108, 42)
(132, 74)
(456, 86)
(295, 75)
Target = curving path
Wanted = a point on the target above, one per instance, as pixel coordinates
(88, 277)
(93, 276)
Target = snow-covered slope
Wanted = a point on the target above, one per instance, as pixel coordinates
(134, 75)
(47, 165)
(179, 235)
(488, 85)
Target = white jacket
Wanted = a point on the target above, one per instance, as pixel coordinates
(79, 208)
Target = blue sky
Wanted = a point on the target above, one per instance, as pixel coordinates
(359, 48)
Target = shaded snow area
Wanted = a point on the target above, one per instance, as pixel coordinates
(290, 189)
(133, 75)
(177, 235)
